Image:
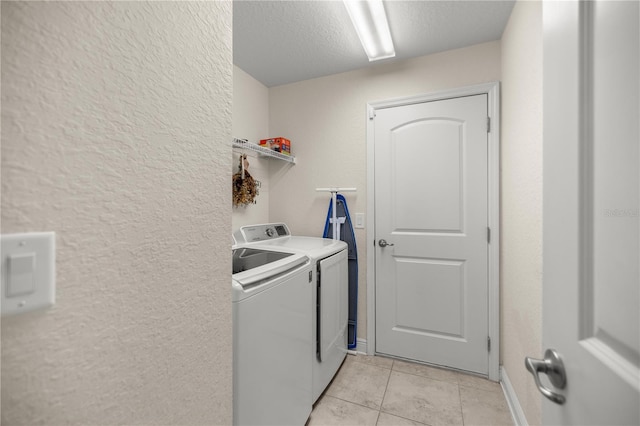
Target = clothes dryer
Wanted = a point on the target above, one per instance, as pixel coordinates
(330, 304)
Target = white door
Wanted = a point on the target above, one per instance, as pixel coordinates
(591, 295)
(431, 209)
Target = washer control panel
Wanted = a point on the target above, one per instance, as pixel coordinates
(263, 232)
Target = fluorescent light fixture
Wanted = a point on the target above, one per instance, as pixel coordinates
(372, 27)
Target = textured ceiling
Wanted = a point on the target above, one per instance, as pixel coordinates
(280, 42)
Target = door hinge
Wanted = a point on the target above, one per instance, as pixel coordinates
(488, 124)
(488, 344)
(372, 113)
(488, 235)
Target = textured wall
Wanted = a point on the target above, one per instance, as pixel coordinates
(521, 244)
(116, 121)
(251, 122)
(325, 119)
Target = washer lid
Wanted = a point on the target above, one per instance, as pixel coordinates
(314, 247)
(248, 258)
(308, 243)
(256, 266)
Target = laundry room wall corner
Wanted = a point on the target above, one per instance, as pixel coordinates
(251, 122)
(521, 197)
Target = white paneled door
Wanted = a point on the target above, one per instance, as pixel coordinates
(591, 293)
(431, 261)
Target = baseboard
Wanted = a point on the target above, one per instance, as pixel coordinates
(361, 347)
(512, 399)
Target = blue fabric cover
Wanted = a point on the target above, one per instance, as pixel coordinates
(347, 235)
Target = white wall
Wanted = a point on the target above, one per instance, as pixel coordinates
(326, 122)
(251, 122)
(116, 121)
(521, 244)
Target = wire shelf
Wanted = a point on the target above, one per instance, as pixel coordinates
(266, 152)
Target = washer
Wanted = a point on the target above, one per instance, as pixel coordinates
(272, 337)
(330, 299)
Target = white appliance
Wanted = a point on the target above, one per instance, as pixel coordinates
(272, 337)
(330, 299)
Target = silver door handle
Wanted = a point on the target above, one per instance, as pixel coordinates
(553, 367)
(384, 243)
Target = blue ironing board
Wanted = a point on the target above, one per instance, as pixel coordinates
(347, 235)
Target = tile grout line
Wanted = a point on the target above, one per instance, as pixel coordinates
(385, 394)
(426, 377)
(385, 391)
(378, 418)
(416, 375)
(350, 402)
(355, 359)
(405, 418)
(461, 410)
(386, 387)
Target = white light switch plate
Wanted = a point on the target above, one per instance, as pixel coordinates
(28, 272)
(359, 220)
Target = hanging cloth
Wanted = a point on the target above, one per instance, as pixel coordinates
(244, 187)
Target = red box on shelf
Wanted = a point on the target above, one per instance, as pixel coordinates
(281, 145)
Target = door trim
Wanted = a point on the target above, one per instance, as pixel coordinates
(492, 90)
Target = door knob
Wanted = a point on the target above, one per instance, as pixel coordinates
(384, 243)
(553, 367)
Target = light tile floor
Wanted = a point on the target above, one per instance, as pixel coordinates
(380, 391)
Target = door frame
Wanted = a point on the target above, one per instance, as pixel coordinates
(492, 90)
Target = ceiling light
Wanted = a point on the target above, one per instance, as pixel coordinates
(372, 27)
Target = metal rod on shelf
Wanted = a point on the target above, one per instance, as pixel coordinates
(336, 189)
